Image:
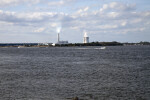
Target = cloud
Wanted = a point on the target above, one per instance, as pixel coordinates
(111, 18)
(56, 3)
(118, 6)
(86, 9)
(34, 17)
(83, 10)
(113, 14)
(108, 26)
(39, 30)
(60, 2)
(136, 20)
(124, 23)
(5, 3)
(54, 24)
(9, 2)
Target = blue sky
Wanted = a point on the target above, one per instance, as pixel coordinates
(103, 20)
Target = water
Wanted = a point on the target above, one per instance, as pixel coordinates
(61, 73)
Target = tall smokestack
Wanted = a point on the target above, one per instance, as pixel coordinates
(58, 37)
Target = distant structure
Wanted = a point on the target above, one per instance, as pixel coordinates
(60, 42)
(85, 38)
(58, 38)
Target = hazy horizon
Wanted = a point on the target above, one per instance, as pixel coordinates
(38, 21)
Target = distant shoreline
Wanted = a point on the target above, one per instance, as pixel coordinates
(43, 45)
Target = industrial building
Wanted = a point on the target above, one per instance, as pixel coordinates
(60, 42)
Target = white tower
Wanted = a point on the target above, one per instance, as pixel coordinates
(85, 38)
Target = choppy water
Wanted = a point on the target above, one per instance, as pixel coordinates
(116, 73)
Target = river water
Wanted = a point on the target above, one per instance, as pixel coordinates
(61, 73)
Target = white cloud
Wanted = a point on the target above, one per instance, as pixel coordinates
(54, 24)
(86, 9)
(83, 10)
(146, 14)
(5, 3)
(108, 26)
(136, 20)
(8, 2)
(39, 30)
(113, 14)
(60, 2)
(56, 3)
(124, 23)
(105, 6)
(27, 17)
(117, 6)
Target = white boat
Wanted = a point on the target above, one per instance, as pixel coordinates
(101, 48)
(20, 46)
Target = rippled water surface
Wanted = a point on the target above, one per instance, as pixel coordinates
(61, 73)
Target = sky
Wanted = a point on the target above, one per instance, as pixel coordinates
(38, 21)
